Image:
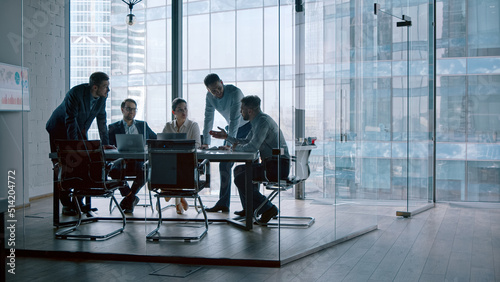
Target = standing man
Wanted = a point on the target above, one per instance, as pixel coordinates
(226, 99)
(264, 137)
(71, 120)
(129, 125)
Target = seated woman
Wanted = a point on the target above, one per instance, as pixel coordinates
(182, 124)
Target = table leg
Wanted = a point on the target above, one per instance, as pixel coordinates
(249, 195)
(55, 199)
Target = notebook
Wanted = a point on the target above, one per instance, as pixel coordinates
(130, 142)
(170, 136)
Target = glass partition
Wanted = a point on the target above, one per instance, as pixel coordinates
(15, 107)
(405, 67)
(335, 85)
(351, 92)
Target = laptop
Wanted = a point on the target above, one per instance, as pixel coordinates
(130, 142)
(171, 136)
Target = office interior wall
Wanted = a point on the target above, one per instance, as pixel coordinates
(33, 35)
(11, 122)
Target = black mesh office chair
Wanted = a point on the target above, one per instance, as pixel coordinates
(82, 171)
(173, 171)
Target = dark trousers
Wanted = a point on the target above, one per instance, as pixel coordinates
(225, 172)
(133, 168)
(271, 172)
(63, 194)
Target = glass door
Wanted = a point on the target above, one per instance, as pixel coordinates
(404, 60)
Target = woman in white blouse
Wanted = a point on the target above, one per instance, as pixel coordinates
(181, 124)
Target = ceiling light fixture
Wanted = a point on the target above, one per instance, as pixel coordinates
(130, 20)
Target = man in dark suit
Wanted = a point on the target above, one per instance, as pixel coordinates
(129, 125)
(71, 120)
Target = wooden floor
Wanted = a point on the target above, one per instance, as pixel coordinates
(451, 242)
(223, 242)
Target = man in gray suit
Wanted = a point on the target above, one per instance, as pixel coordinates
(71, 120)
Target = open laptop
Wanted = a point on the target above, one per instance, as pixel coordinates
(171, 136)
(130, 142)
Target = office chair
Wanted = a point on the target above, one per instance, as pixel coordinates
(128, 173)
(83, 171)
(302, 167)
(173, 171)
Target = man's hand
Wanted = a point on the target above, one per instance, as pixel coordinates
(108, 147)
(204, 146)
(225, 148)
(222, 134)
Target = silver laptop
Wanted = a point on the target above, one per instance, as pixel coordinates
(130, 142)
(170, 136)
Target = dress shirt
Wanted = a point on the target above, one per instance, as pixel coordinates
(228, 106)
(189, 127)
(264, 137)
(132, 129)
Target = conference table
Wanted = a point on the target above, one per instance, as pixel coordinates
(212, 155)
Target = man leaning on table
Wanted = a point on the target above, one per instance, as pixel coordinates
(264, 136)
(226, 99)
(129, 125)
(71, 120)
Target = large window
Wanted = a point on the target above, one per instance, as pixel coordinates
(248, 45)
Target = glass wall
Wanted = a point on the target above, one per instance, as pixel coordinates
(467, 88)
(405, 66)
(364, 84)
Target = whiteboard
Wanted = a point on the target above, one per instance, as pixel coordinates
(14, 88)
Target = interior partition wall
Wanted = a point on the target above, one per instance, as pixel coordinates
(335, 61)
(405, 68)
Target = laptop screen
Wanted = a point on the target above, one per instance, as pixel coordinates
(130, 142)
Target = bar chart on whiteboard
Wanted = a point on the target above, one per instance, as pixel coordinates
(14, 88)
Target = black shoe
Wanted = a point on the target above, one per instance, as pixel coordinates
(69, 211)
(240, 213)
(87, 209)
(217, 209)
(128, 207)
(267, 215)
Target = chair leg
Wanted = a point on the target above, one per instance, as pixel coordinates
(111, 207)
(65, 234)
(270, 197)
(204, 214)
(151, 201)
(151, 235)
(154, 235)
(62, 234)
(308, 220)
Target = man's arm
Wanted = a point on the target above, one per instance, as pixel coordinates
(101, 124)
(254, 139)
(112, 134)
(150, 134)
(209, 120)
(196, 134)
(234, 113)
(72, 107)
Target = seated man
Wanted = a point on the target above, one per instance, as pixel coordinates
(264, 136)
(128, 125)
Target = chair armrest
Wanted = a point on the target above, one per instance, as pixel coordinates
(116, 162)
(204, 168)
(203, 163)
